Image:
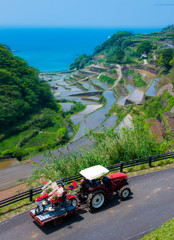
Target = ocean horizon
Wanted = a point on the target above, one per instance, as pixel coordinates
(54, 49)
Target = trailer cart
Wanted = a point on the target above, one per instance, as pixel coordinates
(54, 216)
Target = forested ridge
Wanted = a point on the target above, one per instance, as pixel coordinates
(30, 119)
(21, 92)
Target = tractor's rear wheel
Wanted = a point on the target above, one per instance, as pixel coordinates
(96, 200)
(124, 193)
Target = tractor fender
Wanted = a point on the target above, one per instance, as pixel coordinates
(100, 187)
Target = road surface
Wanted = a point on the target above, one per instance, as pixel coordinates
(150, 205)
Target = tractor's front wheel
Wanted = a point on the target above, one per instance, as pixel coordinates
(124, 193)
(96, 200)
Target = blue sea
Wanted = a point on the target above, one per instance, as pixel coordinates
(54, 49)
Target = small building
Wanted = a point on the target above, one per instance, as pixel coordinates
(144, 56)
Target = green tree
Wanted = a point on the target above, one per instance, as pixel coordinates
(21, 91)
(80, 62)
(144, 47)
(164, 59)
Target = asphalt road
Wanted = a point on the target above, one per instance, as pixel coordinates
(151, 204)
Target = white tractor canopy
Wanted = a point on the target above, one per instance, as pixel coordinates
(94, 172)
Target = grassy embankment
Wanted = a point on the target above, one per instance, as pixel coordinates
(106, 79)
(166, 231)
(139, 81)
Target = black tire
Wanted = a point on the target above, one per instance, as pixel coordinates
(124, 193)
(79, 194)
(73, 201)
(37, 210)
(96, 200)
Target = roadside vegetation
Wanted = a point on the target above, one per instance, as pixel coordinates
(166, 231)
(109, 148)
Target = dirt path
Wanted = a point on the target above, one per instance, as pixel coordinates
(118, 69)
(145, 62)
(12, 191)
(168, 87)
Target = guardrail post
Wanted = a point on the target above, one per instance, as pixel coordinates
(150, 161)
(31, 194)
(121, 166)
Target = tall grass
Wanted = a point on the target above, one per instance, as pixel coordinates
(109, 148)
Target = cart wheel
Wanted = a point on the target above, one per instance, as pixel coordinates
(96, 200)
(79, 194)
(72, 202)
(124, 193)
(37, 210)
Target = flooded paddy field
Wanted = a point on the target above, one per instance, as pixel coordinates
(90, 108)
(94, 116)
(66, 106)
(91, 122)
(108, 123)
(152, 90)
(137, 96)
(6, 163)
(102, 85)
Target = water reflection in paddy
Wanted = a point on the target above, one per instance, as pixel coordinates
(65, 93)
(109, 123)
(85, 85)
(137, 96)
(66, 106)
(77, 99)
(89, 109)
(122, 101)
(130, 88)
(152, 90)
(77, 118)
(91, 122)
(109, 97)
(93, 98)
(97, 82)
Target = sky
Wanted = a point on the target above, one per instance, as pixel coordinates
(86, 13)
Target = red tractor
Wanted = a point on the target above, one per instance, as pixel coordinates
(95, 189)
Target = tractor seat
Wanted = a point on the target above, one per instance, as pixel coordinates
(106, 181)
(73, 185)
